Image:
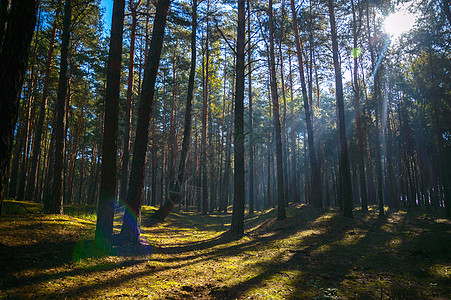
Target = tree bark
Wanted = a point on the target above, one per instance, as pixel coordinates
(206, 74)
(237, 226)
(105, 209)
(294, 177)
(13, 59)
(446, 8)
(275, 100)
(251, 120)
(4, 5)
(361, 162)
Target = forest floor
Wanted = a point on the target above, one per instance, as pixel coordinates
(313, 254)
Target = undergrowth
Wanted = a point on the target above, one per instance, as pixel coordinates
(313, 254)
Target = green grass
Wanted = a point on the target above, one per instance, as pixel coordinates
(314, 254)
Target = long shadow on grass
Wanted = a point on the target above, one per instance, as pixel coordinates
(370, 266)
(86, 289)
(263, 236)
(299, 255)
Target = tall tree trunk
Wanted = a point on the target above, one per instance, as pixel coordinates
(361, 162)
(316, 194)
(284, 118)
(237, 226)
(275, 100)
(205, 70)
(294, 177)
(251, 120)
(172, 128)
(174, 188)
(91, 200)
(105, 209)
(345, 174)
(130, 227)
(377, 98)
(154, 161)
(13, 59)
(31, 183)
(129, 102)
(55, 206)
(222, 148)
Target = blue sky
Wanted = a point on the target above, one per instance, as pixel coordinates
(108, 5)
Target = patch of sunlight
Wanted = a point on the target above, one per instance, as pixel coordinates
(441, 271)
(352, 237)
(414, 232)
(305, 233)
(323, 218)
(442, 221)
(393, 243)
(165, 284)
(397, 217)
(325, 248)
(389, 228)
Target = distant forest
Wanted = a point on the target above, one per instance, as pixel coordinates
(224, 107)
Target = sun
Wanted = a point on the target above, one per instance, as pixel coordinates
(401, 21)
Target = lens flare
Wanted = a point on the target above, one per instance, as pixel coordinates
(356, 52)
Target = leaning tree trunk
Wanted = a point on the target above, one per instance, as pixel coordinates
(130, 227)
(345, 174)
(316, 194)
(105, 209)
(275, 100)
(13, 62)
(175, 186)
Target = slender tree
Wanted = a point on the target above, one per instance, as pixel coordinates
(377, 99)
(316, 193)
(128, 106)
(345, 174)
(130, 226)
(55, 206)
(31, 181)
(174, 188)
(275, 100)
(237, 226)
(251, 117)
(361, 163)
(105, 209)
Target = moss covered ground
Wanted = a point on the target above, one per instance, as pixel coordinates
(313, 254)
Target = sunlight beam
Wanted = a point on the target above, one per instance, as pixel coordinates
(399, 22)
